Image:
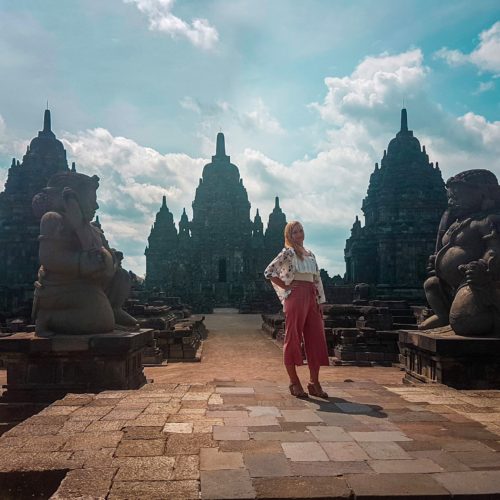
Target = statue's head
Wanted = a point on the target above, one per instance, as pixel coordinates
(473, 191)
(64, 185)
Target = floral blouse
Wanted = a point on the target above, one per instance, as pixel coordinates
(284, 267)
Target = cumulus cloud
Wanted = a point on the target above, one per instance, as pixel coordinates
(133, 179)
(260, 118)
(375, 85)
(159, 13)
(486, 55)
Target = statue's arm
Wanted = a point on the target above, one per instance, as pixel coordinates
(486, 269)
(492, 244)
(54, 253)
(57, 256)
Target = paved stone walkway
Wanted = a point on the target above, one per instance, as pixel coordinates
(249, 438)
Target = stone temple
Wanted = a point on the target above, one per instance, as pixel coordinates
(405, 200)
(217, 258)
(19, 228)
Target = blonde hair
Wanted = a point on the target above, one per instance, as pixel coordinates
(289, 243)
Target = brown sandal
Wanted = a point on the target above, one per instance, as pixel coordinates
(316, 390)
(297, 391)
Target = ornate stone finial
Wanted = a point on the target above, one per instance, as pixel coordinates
(73, 167)
(221, 146)
(164, 201)
(46, 121)
(404, 120)
(437, 165)
(376, 166)
(277, 203)
(220, 150)
(13, 164)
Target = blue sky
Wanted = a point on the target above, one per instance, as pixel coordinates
(307, 92)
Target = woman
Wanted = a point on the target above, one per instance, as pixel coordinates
(294, 275)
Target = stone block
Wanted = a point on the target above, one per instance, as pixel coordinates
(222, 484)
(302, 487)
(440, 356)
(46, 369)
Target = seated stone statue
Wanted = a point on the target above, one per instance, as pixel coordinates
(463, 287)
(78, 269)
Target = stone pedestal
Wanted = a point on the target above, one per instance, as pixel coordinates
(440, 356)
(45, 369)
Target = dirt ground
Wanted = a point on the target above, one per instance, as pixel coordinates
(238, 349)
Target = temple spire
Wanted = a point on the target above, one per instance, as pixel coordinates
(404, 120)
(46, 121)
(277, 203)
(164, 201)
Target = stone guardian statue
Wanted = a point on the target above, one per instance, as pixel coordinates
(463, 287)
(78, 269)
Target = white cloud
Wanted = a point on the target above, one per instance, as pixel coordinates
(484, 87)
(160, 17)
(133, 179)
(486, 55)
(487, 133)
(260, 118)
(376, 84)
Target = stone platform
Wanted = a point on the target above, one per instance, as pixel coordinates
(440, 356)
(45, 369)
(226, 439)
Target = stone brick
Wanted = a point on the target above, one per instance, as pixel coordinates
(344, 451)
(186, 467)
(470, 483)
(329, 433)
(417, 466)
(93, 441)
(85, 483)
(302, 437)
(154, 490)
(301, 416)
(213, 459)
(228, 433)
(304, 452)
(302, 487)
(157, 468)
(379, 436)
(140, 448)
(154, 432)
(178, 428)
(386, 451)
(267, 465)
(329, 468)
(383, 486)
(188, 444)
(222, 484)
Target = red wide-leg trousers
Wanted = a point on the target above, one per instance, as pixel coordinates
(303, 319)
